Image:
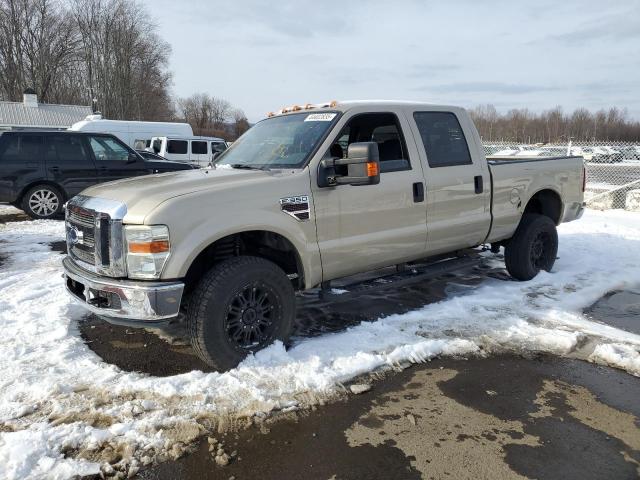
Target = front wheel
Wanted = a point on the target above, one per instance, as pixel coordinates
(240, 306)
(533, 247)
(42, 201)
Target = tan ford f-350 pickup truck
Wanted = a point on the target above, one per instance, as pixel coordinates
(308, 195)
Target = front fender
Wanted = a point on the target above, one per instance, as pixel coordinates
(188, 243)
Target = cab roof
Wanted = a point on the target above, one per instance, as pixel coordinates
(346, 105)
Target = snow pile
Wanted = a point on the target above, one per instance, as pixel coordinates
(63, 411)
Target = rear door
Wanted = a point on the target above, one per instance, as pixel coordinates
(457, 178)
(21, 163)
(363, 227)
(200, 152)
(69, 163)
(177, 150)
(113, 160)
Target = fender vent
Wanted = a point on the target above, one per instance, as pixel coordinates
(297, 207)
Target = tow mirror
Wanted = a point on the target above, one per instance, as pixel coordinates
(362, 167)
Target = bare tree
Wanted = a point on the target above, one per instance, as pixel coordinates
(240, 122)
(207, 115)
(521, 125)
(38, 41)
(75, 51)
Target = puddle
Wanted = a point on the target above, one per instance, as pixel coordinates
(620, 309)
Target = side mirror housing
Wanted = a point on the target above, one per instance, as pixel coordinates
(133, 157)
(363, 167)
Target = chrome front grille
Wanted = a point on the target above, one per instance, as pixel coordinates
(80, 226)
(94, 234)
(81, 216)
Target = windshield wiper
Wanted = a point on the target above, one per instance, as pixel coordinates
(244, 166)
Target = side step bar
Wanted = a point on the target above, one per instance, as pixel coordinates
(406, 275)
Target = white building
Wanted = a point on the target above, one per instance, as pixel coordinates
(31, 114)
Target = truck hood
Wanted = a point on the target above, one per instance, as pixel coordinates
(143, 194)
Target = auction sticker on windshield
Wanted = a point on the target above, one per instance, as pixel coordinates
(320, 117)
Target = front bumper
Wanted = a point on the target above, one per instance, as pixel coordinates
(136, 301)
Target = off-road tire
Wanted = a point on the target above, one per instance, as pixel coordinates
(533, 247)
(211, 302)
(42, 212)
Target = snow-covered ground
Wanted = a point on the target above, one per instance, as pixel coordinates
(63, 410)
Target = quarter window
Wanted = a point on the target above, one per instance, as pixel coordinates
(443, 139)
(177, 146)
(22, 148)
(199, 148)
(108, 149)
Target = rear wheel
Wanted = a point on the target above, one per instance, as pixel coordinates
(240, 306)
(42, 201)
(533, 247)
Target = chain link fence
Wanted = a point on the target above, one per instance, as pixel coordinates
(613, 168)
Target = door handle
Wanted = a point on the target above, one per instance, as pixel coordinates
(418, 192)
(478, 183)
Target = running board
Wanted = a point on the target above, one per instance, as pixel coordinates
(406, 276)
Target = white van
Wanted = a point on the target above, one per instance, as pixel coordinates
(137, 135)
(189, 149)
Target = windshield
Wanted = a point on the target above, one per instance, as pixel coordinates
(279, 142)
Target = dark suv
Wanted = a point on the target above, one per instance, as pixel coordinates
(39, 170)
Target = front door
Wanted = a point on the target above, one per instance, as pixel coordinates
(365, 227)
(200, 152)
(113, 159)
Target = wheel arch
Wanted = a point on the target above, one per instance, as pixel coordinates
(267, 244)
(35, 183)
(547, 202)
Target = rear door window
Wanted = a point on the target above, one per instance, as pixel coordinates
(66, 149)
(177, 146)
(443, 139)
(199, 148)
(108, 149)
(22, 148)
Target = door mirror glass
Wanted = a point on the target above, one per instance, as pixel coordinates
(361, 167)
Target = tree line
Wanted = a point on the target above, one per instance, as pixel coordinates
(102, 53)
(554, 126)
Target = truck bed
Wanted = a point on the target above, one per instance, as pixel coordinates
(515, 179)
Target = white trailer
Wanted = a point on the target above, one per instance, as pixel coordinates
(137, 135)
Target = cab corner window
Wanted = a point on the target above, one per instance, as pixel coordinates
(443, 139)
(383, 129)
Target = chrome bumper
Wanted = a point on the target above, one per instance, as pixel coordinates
(123, 299)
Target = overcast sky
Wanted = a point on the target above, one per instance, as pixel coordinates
(264, 55)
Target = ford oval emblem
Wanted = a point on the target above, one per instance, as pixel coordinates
(75, 236)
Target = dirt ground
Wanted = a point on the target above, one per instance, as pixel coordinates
(500, 417)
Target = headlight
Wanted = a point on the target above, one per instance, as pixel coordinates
(147, 250)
